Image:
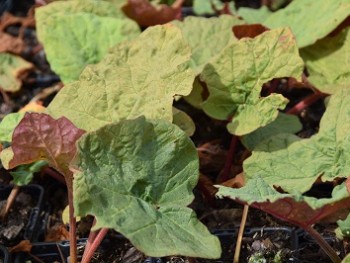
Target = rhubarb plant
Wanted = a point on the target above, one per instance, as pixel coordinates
(152, 165)
(235, 78)
(77, 33)
(140, 77)
(326, 16)
(110, 131)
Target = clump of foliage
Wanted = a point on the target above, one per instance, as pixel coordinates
(111, 131)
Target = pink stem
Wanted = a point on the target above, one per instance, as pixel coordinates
(299, 107)
(91, 239)
(92, 248)
(224, 176)
(72, 223)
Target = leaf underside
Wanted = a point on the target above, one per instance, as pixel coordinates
(296, 209)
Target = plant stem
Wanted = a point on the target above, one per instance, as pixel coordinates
(92, 248)
(306, 102)
(72, 222)
(240, 234)
(10, 200)
(323, 244)
(91, 238)
(224, 176)
(54, 174)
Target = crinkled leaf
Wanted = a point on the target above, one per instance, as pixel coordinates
(297, 209)
(284, 123)
(206, 7)
(207, 37)
(147, 14)
(140, 77)
(254, 16)
(40, 137)
(23, 174)
(181, 119)
(328, 62)
(8, 124)
(76, 38)
(235, 78)
(11, 68)
(137, 177)
(295, 164)
(326, 16)
(10, 121)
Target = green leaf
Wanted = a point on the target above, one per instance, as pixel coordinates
(297, 209)
(11, 67)
(284, 123)
(23, 174)
(195, 98)
(294, 164)
(326, 16)
(344, 226)
(254, 16)
(207, 37)
(40, 137)
(140, 77)
(8, 124)
(328, 62)
(346, 259)
(181, 119)
(137, 177)
(74, 38)
(235, 78)
(205, 7)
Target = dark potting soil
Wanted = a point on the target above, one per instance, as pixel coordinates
(13, 227)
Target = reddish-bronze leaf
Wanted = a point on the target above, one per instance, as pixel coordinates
(11, 44)
(23, 246)
(146, 14)
(297, 209)
(38, 136)
(303, 215)
(250, 31)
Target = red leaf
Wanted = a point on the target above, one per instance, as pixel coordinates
(38, 136)
(301, 214)
(250, 31)
(146, 14)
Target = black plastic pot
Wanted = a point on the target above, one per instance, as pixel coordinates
(4, 255)
(55, 251)
(51, 252)
(32, 229)
(5, 5)
(309, 249)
